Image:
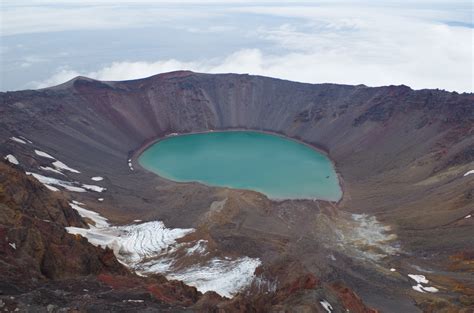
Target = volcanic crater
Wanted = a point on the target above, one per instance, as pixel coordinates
(399, 240)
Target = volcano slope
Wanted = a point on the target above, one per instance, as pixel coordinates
(400, 239)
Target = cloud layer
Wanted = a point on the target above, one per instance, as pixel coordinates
(375, 44)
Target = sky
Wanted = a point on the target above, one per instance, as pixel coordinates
(419, 43)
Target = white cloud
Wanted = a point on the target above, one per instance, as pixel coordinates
(305, 67)
(376, 43)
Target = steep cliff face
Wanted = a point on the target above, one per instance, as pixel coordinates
(34, 240)
(401, 154)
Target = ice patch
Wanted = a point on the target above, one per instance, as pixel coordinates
(43, 154)
(469, 173)
(326, 305)
(98, 219)
(11, 158)
(97, 178)
(93, 188)
(16, 139)
(61, 166)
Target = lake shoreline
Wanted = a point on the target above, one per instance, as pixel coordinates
(135, 154)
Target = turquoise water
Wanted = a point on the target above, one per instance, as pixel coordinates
(278, 167)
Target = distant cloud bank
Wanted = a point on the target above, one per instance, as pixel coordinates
(373, 43)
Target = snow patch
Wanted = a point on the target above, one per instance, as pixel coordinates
(222, 276)
(26, 139)
(61, 166)
(98, 219)
(467, 216)
(150, 247)
(133, 243)
(43, 154)
(48, 181)
(13, 245)
(469, 173)
(430, 289)
(393, 270)
(11, 158)
(199, 248)
(50, 169)
(51, 187)
(97, 178)
(93, 188)
(326, 305)
(16, 139)
(100, 199)
(421, 279)
(134, 301)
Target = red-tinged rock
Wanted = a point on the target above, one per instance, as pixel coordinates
(350, 300)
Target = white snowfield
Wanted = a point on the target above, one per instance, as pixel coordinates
(469, 172)
(11, 158)
(421, 279)
(151, 247)
(97, 178)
